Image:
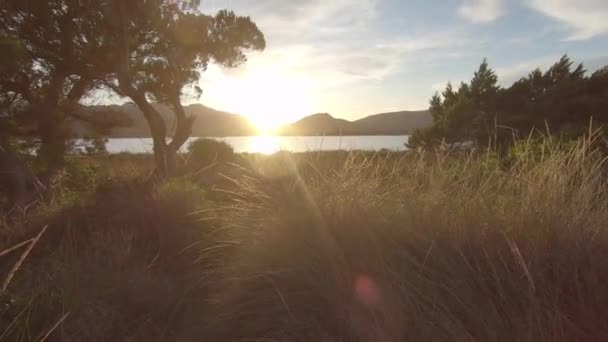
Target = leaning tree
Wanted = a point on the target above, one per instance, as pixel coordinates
(161, 49)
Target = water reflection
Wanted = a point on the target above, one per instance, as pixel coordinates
(272, 144)
(265, 144)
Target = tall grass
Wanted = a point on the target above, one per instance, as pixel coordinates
(333, 247)
(448, 248)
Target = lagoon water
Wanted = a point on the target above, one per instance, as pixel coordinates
(272, 144)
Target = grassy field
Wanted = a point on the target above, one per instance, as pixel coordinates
(318, 247)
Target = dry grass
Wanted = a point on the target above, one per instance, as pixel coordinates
(333, 247)
(457, 248)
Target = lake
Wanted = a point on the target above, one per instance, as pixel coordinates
(272, 144)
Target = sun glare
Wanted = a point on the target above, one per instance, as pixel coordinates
(265, 144)
(271, 102)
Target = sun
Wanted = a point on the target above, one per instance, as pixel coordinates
(270, 102)
(265, 124)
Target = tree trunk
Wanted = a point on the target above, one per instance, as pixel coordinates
(16, 179)
(52, 149)
(53, 138)
(183, 131)
(158, 129)
(183, 126)
(155, 121)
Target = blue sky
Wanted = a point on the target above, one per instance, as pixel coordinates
(353, 58)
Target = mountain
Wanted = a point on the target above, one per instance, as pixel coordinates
(394, 123)
(316, 124)
(213, 123)
(208, 122)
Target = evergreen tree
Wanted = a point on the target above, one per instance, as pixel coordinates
(564, 98)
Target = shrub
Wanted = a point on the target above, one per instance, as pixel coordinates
(206, 152)
(117, 261)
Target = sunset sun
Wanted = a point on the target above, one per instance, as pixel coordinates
(268, 101)
(271, 103)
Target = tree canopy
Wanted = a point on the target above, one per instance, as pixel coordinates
(56, 51)
(564, 98)
(161, 48)
(55, 54)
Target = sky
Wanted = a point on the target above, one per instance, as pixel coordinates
(353, 58)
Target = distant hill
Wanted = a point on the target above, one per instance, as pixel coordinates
(213, 123)
(208, 122)
(316, 124)
(394, 123)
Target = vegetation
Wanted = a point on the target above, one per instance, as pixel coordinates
(319, 246)
(206, 152)
(172, 45)
(57, 56)
(564, 99)
(57, 52)
(505, 243)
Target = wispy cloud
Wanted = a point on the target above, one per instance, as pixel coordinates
(347, 56)
(508, 74)
(481, 11)
(584, 18)
(306, 19)
(331, 43)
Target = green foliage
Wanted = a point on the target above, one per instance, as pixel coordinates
(96, 146)
(83, 175)
(89, 145)
(205, 152)
(564, 98)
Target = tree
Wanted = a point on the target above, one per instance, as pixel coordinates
(563, 98)
(162, 47)
(483, 97)
(58, 56)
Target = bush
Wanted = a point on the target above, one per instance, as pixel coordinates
(206, 152)
(117, 261)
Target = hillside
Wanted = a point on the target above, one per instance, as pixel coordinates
(394, 123)
(316, 124)
(208, 121)
(213, 123)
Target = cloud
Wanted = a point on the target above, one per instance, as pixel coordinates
(305, 19)
(509, 74)
(330, 43)
(312, 37)
(481, 11)
(321, 49)
(584, 18)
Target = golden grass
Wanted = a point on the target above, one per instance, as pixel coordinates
(334, 247)
(460, 248)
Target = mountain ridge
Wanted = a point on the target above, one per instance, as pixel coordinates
(210, 122)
